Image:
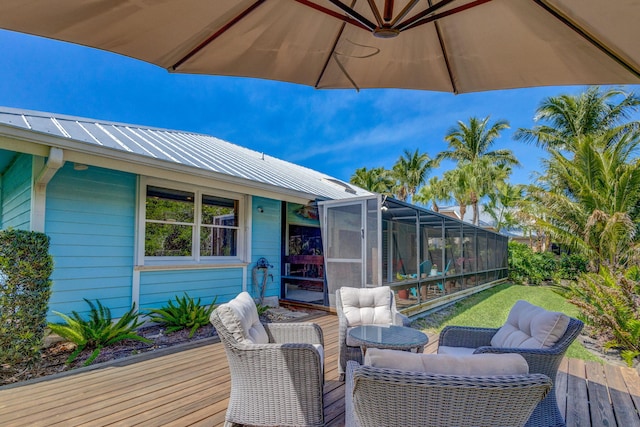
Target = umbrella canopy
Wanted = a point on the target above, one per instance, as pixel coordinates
(448, 45)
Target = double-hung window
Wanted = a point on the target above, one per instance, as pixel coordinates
(193, 225)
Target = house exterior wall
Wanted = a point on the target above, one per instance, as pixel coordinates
(266, 241)
(16, 194)
(90, 218)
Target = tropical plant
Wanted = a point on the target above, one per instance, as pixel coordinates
(591, 202)
(410, 172)
(566, 118)
(99, 331)
(434, 191)
(186, 313)
(469, 142)
(571, 266)
(503, 204)
(262, 308)
(479, 169)
(529, 267)
(377, 180)
(609, 302)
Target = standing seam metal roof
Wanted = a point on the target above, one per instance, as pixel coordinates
(186, 148)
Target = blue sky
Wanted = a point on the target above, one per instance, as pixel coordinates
(333, 131)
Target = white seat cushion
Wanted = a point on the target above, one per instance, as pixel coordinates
(240, 316)
(366, 306)
(455, 351)
(444, 364)
(530, 326)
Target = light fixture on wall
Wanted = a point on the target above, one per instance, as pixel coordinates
(80, 167)
(260, 209)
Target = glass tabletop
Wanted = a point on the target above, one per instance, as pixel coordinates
(395, 337)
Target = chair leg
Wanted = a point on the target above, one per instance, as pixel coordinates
(547, 413)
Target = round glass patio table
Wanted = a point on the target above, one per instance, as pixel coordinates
(390, 337)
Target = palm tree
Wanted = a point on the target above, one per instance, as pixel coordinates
(376, 180)
(596, 208)
(434, 191)
(480, 169)
(503, 205)
(410, 172)
(469, 142)
(570, 117)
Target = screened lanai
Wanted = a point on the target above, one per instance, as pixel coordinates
(422, 255)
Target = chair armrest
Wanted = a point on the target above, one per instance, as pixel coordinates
(545, 360)
(304, 332)
(465, 336)
(401, 320)
(349, 411)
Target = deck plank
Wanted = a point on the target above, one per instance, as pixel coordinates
(599, 404)
(191, 387)
(625, 412)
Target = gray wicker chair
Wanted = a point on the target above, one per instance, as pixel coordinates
(279, 383)
(379, 397)
(543, 361)
(346, 352)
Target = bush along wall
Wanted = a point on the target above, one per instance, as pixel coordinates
(25, 288)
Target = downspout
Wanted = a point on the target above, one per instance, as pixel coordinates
(54, 162)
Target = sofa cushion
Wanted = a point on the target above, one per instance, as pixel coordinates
(366, 306)
(444, 364)
(240, 316)
(455, 351)
(530, 326)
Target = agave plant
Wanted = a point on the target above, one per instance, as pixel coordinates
(185, 313)
(99, 331)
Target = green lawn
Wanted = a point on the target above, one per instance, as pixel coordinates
(491, 307)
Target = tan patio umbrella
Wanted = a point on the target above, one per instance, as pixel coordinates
(447, 45)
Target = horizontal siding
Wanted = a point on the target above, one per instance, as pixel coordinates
(159, 287)
(91, 221)
(266, 242)
(16, 194)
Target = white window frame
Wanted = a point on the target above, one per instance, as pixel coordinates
(195, 258)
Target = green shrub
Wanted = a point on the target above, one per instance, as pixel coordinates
(97, 332)
(529, 267)
(262, 308)
(25, 288)
(571, 266)
(186, 313)
(609, 303)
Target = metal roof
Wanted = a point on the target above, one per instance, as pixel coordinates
(194, 150)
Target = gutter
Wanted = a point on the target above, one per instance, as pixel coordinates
(39, 195)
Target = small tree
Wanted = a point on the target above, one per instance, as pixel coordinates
(25, 288)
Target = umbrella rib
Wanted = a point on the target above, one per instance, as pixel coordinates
(446, 58)
(422, 18)
(588, 37)
(326, 63)
(217, 34)
(355, 15)
(333, 14)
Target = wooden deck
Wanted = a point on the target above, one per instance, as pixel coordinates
(191, 387)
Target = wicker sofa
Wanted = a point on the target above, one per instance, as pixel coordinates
(379, 396)
(359, 306)
(277, 375)
(544, 358)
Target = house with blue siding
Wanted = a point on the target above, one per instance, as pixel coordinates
(141, 215)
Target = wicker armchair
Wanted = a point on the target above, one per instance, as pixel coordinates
(545, 361)
(347, 352)
(378, 397)
(275, 383)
